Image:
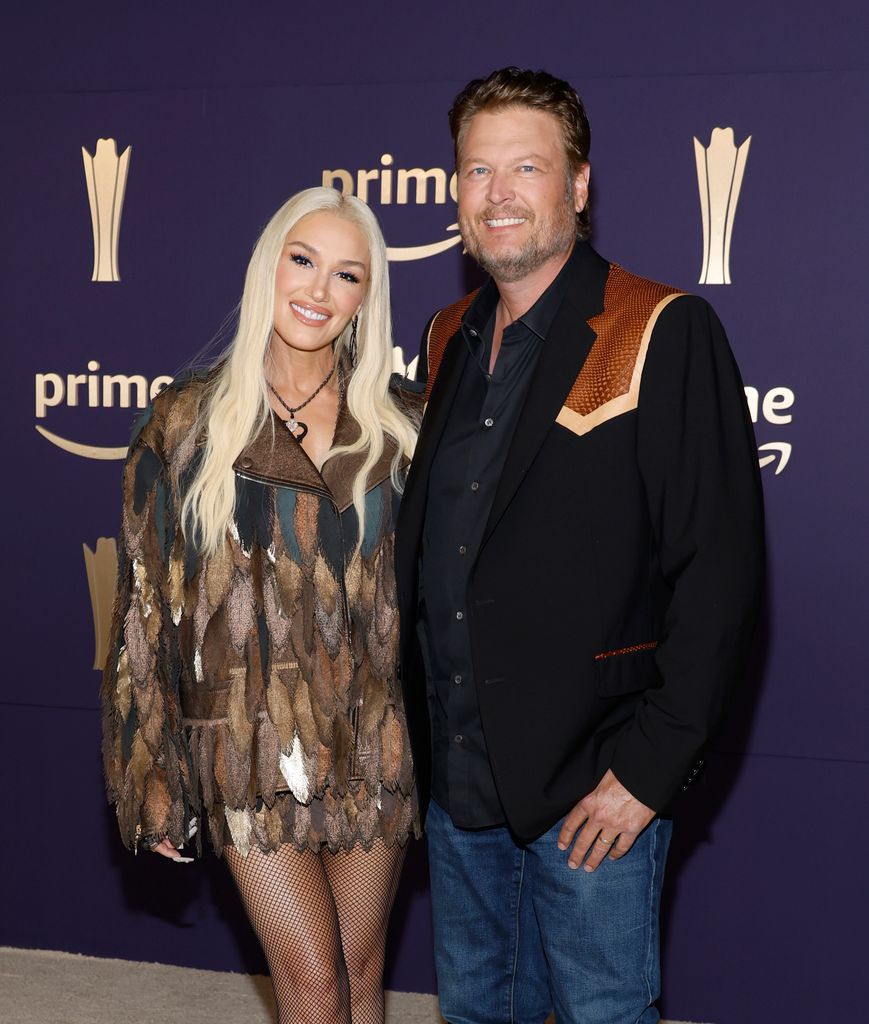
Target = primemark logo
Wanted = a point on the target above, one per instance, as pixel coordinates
(93, 390)
(772, 407)
(96, 390)
(388, 185)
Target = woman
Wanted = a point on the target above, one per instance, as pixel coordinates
(251, 677)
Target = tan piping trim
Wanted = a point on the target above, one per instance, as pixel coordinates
(618, 406)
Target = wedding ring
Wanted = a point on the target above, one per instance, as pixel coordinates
(606, 842)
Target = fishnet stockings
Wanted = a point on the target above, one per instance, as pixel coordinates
(321, 918)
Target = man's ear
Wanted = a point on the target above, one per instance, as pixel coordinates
(580, 187)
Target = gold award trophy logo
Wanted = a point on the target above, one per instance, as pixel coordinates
(106, 176)
(720, 169)
(102, 572)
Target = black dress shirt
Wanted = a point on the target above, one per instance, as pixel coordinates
(462, 484)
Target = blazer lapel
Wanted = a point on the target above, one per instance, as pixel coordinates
(564, 352)
(413, 501)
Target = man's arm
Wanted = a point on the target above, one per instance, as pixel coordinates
(698, 459)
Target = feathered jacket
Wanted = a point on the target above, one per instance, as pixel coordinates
(256, 688)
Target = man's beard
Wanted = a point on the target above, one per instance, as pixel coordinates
(547, 238)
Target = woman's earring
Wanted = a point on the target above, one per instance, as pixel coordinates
(351, 348)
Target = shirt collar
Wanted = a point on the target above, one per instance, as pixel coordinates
(538, 318)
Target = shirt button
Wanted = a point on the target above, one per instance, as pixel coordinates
(460, 616)
(475, 486)
(472, 332)
(457, 679)
(459, 738)
(462, 549)
(488, 422)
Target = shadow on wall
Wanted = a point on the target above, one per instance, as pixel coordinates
(696, 814)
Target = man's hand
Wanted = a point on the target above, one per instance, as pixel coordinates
(609, 819)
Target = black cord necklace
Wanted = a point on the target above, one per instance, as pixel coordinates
(292, 424)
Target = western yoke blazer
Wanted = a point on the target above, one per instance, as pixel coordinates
(613, 597)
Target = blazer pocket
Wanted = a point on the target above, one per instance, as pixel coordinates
(626, 670)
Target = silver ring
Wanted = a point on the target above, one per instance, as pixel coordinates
(606, 842)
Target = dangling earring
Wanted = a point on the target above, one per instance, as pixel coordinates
(351, 348)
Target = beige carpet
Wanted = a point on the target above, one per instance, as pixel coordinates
(41, 987)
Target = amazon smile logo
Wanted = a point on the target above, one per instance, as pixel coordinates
(391, 186)
(775, 408)
(92, 390)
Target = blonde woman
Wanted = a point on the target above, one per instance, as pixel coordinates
(250, 690)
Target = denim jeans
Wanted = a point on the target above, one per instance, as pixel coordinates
(518, 933)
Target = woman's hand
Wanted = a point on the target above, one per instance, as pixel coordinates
(166, 849)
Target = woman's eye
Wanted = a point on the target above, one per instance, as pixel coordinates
(527, 168)
(300, 259)
(345, 275)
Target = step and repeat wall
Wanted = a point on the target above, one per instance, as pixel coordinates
(728, 158)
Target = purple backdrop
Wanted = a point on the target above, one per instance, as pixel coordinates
(229, 114)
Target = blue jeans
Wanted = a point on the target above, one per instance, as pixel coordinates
(518, 933)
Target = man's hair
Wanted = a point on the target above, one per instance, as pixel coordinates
(538, 90)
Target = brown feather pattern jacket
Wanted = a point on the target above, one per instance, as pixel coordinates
(256, 689)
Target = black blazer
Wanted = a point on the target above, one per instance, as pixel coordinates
(612, 601)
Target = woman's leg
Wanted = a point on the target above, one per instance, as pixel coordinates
(363, 885)
(289, 902)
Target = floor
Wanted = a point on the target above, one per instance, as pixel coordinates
(41, 987)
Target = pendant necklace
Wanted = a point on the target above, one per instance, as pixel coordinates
(292, 424)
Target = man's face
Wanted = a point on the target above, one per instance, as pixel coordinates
(517, 202)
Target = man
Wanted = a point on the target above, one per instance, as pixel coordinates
(579, 559)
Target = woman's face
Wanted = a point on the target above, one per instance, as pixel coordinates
(321, 280)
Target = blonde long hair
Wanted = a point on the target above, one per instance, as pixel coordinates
(236, 407)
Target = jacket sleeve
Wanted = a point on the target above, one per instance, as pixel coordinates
(144, 754)
(698, 459)
(421, 375)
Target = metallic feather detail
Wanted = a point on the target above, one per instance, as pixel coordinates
(176, 584)
(278, 623)
(206, 766)
(138, 652)
(143, 587)
(216, 826)
(240, 611)
(123, 696)
(281, 710)
(392, 743)
(274, 826)
(268, 755)
(306, 729)
(197, 664)
(140, 762)
(293, 770)
(240, 727)
(305, 522)
(237, 773)
(218, 577)
(150, 711)
(302, 827)
(239, 828)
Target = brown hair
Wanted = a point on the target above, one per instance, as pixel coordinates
(517, 87)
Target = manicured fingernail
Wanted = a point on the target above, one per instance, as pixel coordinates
(572, 866)
(183, 860)
(562, 846)
(589, 869)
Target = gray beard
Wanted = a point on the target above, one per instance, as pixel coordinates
(551, 239)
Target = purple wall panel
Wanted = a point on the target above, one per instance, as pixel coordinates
(226, 117)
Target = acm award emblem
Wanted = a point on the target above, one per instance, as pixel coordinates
(106, 176)
(720, 169)
(102, 572)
